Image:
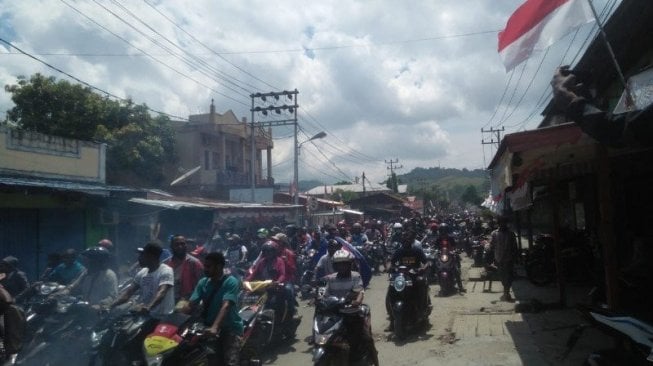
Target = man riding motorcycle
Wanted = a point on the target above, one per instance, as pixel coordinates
(324, 266)
(358, 238)
(445, 240)
(348, 284)
(414, 258)
(187, 269)
(271, 267)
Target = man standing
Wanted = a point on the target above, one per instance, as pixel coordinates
(505, 251)
(219, 295)
(187, 269)
(155, 282)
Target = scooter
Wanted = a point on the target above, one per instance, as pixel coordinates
(331, 343)
(634, 338)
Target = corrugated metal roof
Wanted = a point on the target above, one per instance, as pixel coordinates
(192, 202)
(63, 185)
(320, 190)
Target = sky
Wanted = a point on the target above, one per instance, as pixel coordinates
(406, 81)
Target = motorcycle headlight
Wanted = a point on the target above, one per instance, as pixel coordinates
(399, 283)
(444, 258)
(322, 339)
(96, 338)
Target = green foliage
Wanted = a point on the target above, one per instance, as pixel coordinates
(342, 183)
(139, 145)
(345, 196)
(470, 195)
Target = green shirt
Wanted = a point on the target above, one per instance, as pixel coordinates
(229, 291)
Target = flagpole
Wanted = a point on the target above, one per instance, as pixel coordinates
(629, 99)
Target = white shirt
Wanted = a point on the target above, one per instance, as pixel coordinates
(149, 283)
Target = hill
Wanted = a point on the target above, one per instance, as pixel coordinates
(445, 183)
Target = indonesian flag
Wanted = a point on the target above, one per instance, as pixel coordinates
(537, 24)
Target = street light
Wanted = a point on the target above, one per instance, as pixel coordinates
(319, 135)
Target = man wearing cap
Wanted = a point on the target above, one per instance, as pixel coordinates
(187, 269)
(154, 281)
(15, 280)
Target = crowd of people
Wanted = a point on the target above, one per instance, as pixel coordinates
(208, 275)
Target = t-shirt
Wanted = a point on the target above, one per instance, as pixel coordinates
(411, 257)
(64, 274)
(98, 288)
(343, 286)
(233, 254)
(149, 283)
(228, 291)
(324, 266)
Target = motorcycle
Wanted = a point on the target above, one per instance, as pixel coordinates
(477, 251)
(577, 261)
(265, 316)
(634, 338)
(331, 344)
(180, 340)
(431, 256)
(117, 339)
(377, 255)
(403, 301)
(306, 269)
(57, 325)
(446, 267)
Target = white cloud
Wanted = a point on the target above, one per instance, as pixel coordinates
(391, 88)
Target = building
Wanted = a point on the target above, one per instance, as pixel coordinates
(570, 177)
(53, 196)
(220, 145)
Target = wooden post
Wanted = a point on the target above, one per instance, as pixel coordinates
(553, 189)
(606, 228)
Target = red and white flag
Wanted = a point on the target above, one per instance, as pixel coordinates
(537, 24)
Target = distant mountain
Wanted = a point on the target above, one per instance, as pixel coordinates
(450, 182)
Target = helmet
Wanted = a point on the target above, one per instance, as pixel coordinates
(443, 228)
(341, 256)
(396, 226)
(269, 247)
(334, 244)
(357, 226)
(97, 254)
(262, 233)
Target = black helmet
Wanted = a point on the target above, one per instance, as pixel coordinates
(269, 247)
(99, 254)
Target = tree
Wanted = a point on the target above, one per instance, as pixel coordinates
(393, 183)
(139, 145)
(342, 183)
(471, 196)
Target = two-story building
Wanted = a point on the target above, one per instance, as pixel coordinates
(220, 145)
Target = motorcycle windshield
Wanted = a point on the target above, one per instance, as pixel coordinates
(327, 323)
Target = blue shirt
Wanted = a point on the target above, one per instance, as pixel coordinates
(65, 275)
(229, 291)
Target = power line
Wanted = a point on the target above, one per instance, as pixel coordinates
(208, 48)
(150, 56)
(368, 44)
(503, 95)
(222, 75)
(84, 82)
(169, 51)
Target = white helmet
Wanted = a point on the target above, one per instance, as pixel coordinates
(341, 256)
(397, 225)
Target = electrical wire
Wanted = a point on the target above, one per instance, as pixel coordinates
(84, 82)
(150, 56)
(208, 48)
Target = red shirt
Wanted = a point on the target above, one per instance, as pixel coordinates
(278, 269)
(188, 272)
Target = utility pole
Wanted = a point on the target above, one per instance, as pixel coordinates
(392, 167)
(363, 178)
(492, 141)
